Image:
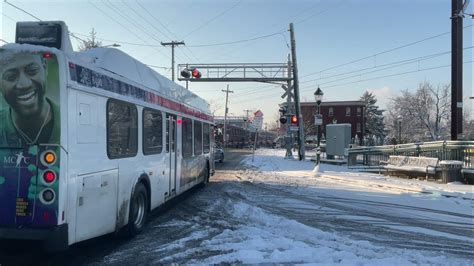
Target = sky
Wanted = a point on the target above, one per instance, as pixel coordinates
(346, 47)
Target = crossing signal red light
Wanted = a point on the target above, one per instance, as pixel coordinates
(294, 120)
(195, 73)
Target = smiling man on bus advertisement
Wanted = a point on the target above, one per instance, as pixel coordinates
(27, 116)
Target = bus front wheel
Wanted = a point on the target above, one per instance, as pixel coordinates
(138, 210)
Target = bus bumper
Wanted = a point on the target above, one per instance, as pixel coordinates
(54, 238)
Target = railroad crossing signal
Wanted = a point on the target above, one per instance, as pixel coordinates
(294, 120)
(287, 92)
(188, 73)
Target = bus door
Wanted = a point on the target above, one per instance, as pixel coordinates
(171, 148)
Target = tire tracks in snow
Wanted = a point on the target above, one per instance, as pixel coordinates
(373, 226)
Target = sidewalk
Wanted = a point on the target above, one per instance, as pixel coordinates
(343, 174)
(272, 164)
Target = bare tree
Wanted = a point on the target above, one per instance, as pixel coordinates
(468, 125)
(309, 127)
(214, 106)
(424, 114)
(90, 42)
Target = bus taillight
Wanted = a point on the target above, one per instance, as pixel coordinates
(48, 158)
(49, 176)
(47, 196)
(47, 55)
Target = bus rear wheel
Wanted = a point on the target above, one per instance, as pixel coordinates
(206, 176)
(138, 210)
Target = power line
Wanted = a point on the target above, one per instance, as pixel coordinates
(24, 11)
(393, 75)
(77, 38)
(162, 67)
(358, 81)
(212, 19)
(397, 63)
(152, 25)
(166, 28)
(239, 41)
(10, 18)
(387, 66)
(116, 10)
(125, 27)
(155, 18)
(318, 13)
(383, 52)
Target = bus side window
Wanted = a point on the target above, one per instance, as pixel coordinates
(206, 138)
(187, 138)
(197, 138)
(122, 129)
(152, 132)
(167, 135)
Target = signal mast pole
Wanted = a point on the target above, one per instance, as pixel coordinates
(172, 44)
(296, 87)
(227, 91)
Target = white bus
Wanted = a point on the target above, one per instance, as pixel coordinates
(91, 141)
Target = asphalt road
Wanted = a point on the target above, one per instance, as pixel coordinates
(93, 251)
(176, 234)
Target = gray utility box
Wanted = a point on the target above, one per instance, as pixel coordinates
(338, 138)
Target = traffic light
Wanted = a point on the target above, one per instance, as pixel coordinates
(283, 118)
(188, 73)
(294, 120)
(196, 74)
(185, 73)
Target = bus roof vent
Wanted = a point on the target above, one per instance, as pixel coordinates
(45, 33)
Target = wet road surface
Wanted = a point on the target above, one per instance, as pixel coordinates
(176, 234)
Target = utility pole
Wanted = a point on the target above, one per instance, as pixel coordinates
(247, 111)
(456, 69)
(172, 44)
(296, 88)
(290, 108)
(227, 91)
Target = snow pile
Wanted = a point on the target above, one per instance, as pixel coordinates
(266, 238)
(272, 161)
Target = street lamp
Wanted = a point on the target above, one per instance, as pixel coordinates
(318, 97)
(399, 121)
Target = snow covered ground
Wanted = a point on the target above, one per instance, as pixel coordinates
(274, 210)
(269, 238)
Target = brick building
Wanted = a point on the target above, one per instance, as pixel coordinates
(350, 112)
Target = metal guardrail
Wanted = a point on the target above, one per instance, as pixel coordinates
(370, 157)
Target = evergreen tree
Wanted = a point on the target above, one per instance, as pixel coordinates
(91, 42)
(373, 119)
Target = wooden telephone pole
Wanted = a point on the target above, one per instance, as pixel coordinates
(172, 44)
(227, 91)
